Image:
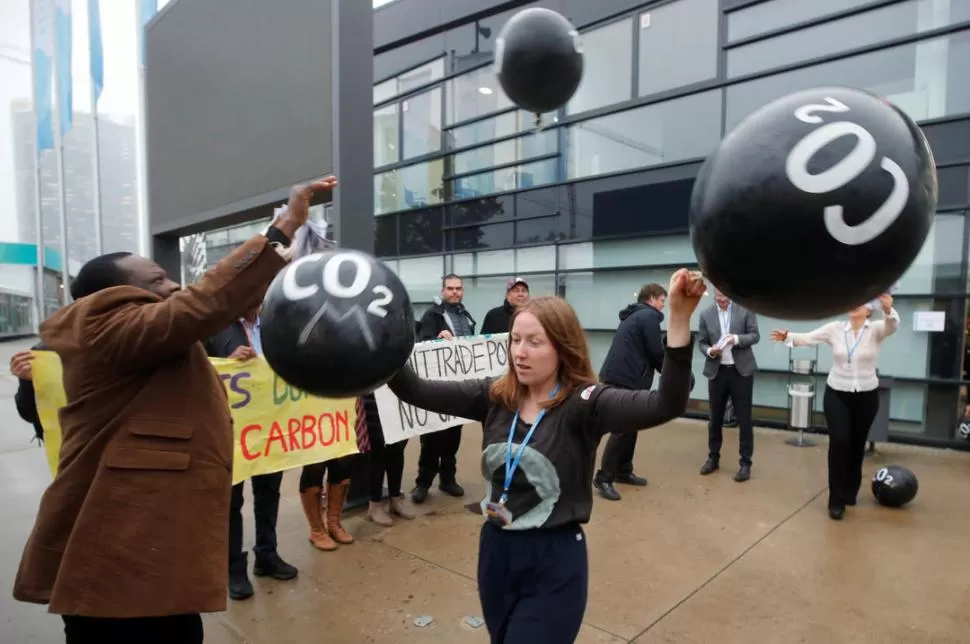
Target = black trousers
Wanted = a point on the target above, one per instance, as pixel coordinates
(729, 383)
(384, 460)
(617, 457)
(439, 456)
(849, 416)
(184, 629)
(312, 475)
(533, 584)
(266, 508)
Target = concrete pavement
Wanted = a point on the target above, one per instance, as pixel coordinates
(686, 559)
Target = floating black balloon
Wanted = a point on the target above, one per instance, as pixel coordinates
(538, 60)
(815, 204)
(337, 324)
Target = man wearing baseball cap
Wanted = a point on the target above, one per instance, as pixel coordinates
(499, 319)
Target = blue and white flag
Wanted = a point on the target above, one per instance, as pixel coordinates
(43, 62)
(97, 50)
(65, 90)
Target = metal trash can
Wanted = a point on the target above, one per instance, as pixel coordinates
(802, 366)
(800, 407)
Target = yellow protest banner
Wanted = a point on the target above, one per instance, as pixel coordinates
(276, 426)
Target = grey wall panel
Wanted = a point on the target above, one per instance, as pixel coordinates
(238, 102)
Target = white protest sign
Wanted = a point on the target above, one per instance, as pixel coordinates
(464, 358)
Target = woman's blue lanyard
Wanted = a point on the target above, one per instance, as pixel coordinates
(512, 464)
(850, 350)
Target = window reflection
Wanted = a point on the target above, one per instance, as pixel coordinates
(475, 94)
(421, 115)
(413, 186)
(678, 45)
(526, 175)
(607, 67)
(421, 232)
(385, 136)
(926, 79)
(676, 130)
(526, 147)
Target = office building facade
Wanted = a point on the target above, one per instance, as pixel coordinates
(594, 203)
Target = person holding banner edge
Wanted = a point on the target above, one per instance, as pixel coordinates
(240, 341)
(130, 539)
(532, 564)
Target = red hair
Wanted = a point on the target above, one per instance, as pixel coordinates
(559, 321)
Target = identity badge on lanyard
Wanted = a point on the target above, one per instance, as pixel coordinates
(498, 510)
(851, 349)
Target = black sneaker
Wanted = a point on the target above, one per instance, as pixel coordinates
(274, 566)
(239, 585)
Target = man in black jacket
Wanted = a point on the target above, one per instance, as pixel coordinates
(499, 319)
(439, 450)
(636, 352)
(22, 369)
(240, 341)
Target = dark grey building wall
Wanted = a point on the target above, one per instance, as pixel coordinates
(238, 101)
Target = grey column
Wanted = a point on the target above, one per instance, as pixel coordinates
(165, 252)
(353, 123)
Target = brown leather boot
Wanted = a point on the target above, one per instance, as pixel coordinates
(314, 517)
(336, 493)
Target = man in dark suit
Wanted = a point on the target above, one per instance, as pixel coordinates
(727, 333)
(240, 341)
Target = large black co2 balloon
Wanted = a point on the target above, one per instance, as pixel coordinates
(337, 324)
(538, 60)
(894, 486)
(814, 204)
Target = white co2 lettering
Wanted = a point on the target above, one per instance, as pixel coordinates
(333, 286)
(883, 476)
(964, 430)
(846, 170)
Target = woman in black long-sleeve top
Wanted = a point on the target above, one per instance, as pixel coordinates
(532, 564)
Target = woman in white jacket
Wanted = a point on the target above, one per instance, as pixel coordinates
(851, 398)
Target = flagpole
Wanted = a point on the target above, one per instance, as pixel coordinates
(144, 236)
(38, 206)
(59, 149)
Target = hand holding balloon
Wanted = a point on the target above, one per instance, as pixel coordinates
(779, 335)
(887, 303)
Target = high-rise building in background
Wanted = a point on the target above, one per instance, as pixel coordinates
(118, 189)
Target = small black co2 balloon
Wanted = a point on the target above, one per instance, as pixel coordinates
(894, 486)
(538, 60)
(337, 324)
(815, 204)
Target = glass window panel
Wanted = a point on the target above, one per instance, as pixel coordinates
(678, 45)
(463, 264)
(607, 67)
(480, 211)
(386, 136)
(421, 76)
(769, 16)
(672, 249)
(926, 79)
(420, 232)
(954, 183)
(537, 203)
(473, 237)
(495, 128)
(474, 94)
(421, 116)
(542, 229)
(599, 297)
(937, 267)
(385, 91)
(525, 147)
(872, 27)
(413, 186)
(526, 175)
(683, 128)
(385, 236)
(495, 261)
(422, 277)
(538, 258)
